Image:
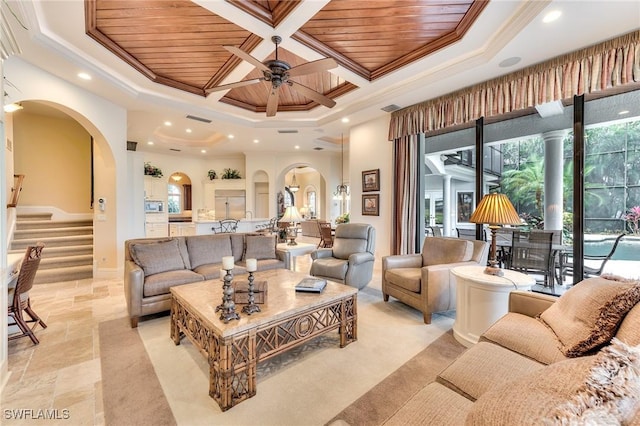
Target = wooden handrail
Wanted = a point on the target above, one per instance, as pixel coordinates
(15, 190)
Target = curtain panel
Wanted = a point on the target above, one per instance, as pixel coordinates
(405, 166)
(607, 65)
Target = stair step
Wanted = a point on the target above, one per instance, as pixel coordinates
(45, 224)
(49, 251)
(33, 216)
(20, 234)
(65, 261)
(74, 240)
(46, 276)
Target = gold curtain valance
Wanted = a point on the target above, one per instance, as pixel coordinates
(609, 64)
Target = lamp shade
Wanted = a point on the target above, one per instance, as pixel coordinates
(495, 209)
(291, 215)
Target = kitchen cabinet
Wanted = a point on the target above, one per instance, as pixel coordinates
(156, 230)
(155, 188)
(182, 229)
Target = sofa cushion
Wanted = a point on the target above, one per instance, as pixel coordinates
(157, 257)
(211, 271)
(237, 246)
(344, 247)
(205, 249)
(589, 313)
(434, 405)
(541, 343)
(260, 247)
(407, 278)
(483, 367)
(443, 250)
(330, 267)
(157, 284)
(568, 392)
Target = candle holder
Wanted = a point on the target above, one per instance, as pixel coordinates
(251, 307)
(228, 306)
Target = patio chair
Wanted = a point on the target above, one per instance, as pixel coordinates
(532, 253)
(591, 271)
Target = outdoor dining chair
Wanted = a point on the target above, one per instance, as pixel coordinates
(532, 253)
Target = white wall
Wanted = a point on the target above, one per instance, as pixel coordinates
(365, 139)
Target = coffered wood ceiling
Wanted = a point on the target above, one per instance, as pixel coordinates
(179, 43)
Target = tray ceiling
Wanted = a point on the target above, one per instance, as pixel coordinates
(179, 44)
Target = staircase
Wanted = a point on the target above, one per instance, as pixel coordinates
(68, 246)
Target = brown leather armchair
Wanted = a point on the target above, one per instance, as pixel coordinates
(423, 280)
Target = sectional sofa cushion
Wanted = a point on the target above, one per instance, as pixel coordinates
(161, 256)
(601, 387)
(260, 247)
(208, 249)
(588, 314)
(159, 284)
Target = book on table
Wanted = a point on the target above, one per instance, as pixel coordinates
(311, 285)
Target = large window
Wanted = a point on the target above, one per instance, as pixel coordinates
(174, 199)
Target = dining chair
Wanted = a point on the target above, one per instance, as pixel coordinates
(326, 235)
(466, 234)
(532, 253)
(19, 300)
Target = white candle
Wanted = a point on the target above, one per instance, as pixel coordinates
(252, 265)
(227, 262)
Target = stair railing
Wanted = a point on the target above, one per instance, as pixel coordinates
(15, 190)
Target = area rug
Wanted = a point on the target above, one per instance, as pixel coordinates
(388, 396)
(131, 392)
(308, 385)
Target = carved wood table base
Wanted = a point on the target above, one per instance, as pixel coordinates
(287, 319)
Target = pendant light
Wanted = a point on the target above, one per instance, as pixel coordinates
(294, 184)
(342, 189)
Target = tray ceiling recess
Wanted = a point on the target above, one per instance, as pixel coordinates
(182, 45)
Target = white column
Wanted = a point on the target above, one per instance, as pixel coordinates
(446, 205)
(553, 173)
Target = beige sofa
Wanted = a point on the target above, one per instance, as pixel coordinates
(548, 361)
(153, 265)
(423, 281)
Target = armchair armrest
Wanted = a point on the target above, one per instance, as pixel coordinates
(402, 261)
(529, 303)
(322, 253)
(285, 256)
(360, 258)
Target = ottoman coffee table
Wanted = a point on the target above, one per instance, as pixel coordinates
(287, 319)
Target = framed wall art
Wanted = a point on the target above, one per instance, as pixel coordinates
(371, 180)
(464, 202)
(371, 205)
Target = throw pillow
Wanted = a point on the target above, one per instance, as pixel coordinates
(588, 315)
(602, 387)
(208, 249)
(260, 247)
(158, 257)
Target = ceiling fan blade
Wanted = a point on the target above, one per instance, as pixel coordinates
(233, 85)
(312, 94)
(245, 56)
(272, 102)
(314, 66)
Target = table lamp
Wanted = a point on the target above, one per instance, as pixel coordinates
(292, 216)
(495, 210)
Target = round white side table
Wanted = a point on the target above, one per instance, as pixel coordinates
(482, 299)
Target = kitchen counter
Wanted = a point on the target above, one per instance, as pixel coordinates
(205, 226)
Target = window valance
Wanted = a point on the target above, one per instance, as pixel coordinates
(609, 64)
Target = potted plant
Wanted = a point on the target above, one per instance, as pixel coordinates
(150, 170)
(231, 174)
(212, 174)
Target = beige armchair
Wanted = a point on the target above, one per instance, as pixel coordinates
(422, 280)
(350, 260)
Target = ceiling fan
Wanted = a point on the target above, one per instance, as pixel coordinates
(278, 73)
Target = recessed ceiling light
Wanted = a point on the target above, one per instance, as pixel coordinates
(256, 141)
(84, 76)
(231, 136)
(297, 147)
(204, 151)
(150, 143)
(509, 62)
(623, 112)
(345, 120)
(551, 16)
(167, 123)
(188, 130)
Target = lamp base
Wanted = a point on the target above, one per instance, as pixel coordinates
(492, 270)
(292, 241)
